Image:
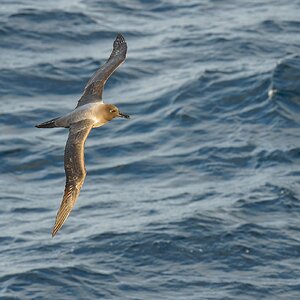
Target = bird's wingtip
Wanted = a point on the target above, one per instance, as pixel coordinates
(54, 232)
(120, 38)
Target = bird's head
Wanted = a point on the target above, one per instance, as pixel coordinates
(111, 112)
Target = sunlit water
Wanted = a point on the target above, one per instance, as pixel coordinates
(197, 196)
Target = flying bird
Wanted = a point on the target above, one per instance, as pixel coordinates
(89, 113)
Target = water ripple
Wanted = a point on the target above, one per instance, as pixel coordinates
(197, 195)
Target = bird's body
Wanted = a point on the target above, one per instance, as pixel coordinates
(89, 113)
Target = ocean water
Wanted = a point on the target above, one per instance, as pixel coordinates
(197, 196)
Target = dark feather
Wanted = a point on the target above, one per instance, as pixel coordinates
(74, 169)
(94, 88)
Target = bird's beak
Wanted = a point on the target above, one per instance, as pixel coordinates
(121, 115)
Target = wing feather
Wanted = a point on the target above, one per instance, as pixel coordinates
(94, 88)
(74, 169)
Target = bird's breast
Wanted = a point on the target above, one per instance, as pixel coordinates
(98, 124)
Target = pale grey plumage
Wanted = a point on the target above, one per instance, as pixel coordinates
(89, 113)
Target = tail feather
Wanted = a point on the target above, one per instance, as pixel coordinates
(47, 124)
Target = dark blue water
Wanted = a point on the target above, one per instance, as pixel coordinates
(197, 196)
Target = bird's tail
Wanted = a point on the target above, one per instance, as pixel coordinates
(47, 124)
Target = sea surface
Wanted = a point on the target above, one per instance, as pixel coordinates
(198, 195)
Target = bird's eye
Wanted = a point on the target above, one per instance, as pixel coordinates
(113, 111)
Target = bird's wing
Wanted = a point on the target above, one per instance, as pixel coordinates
(74, 169)
(93, 89)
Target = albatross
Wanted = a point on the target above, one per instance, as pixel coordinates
(90, 112)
